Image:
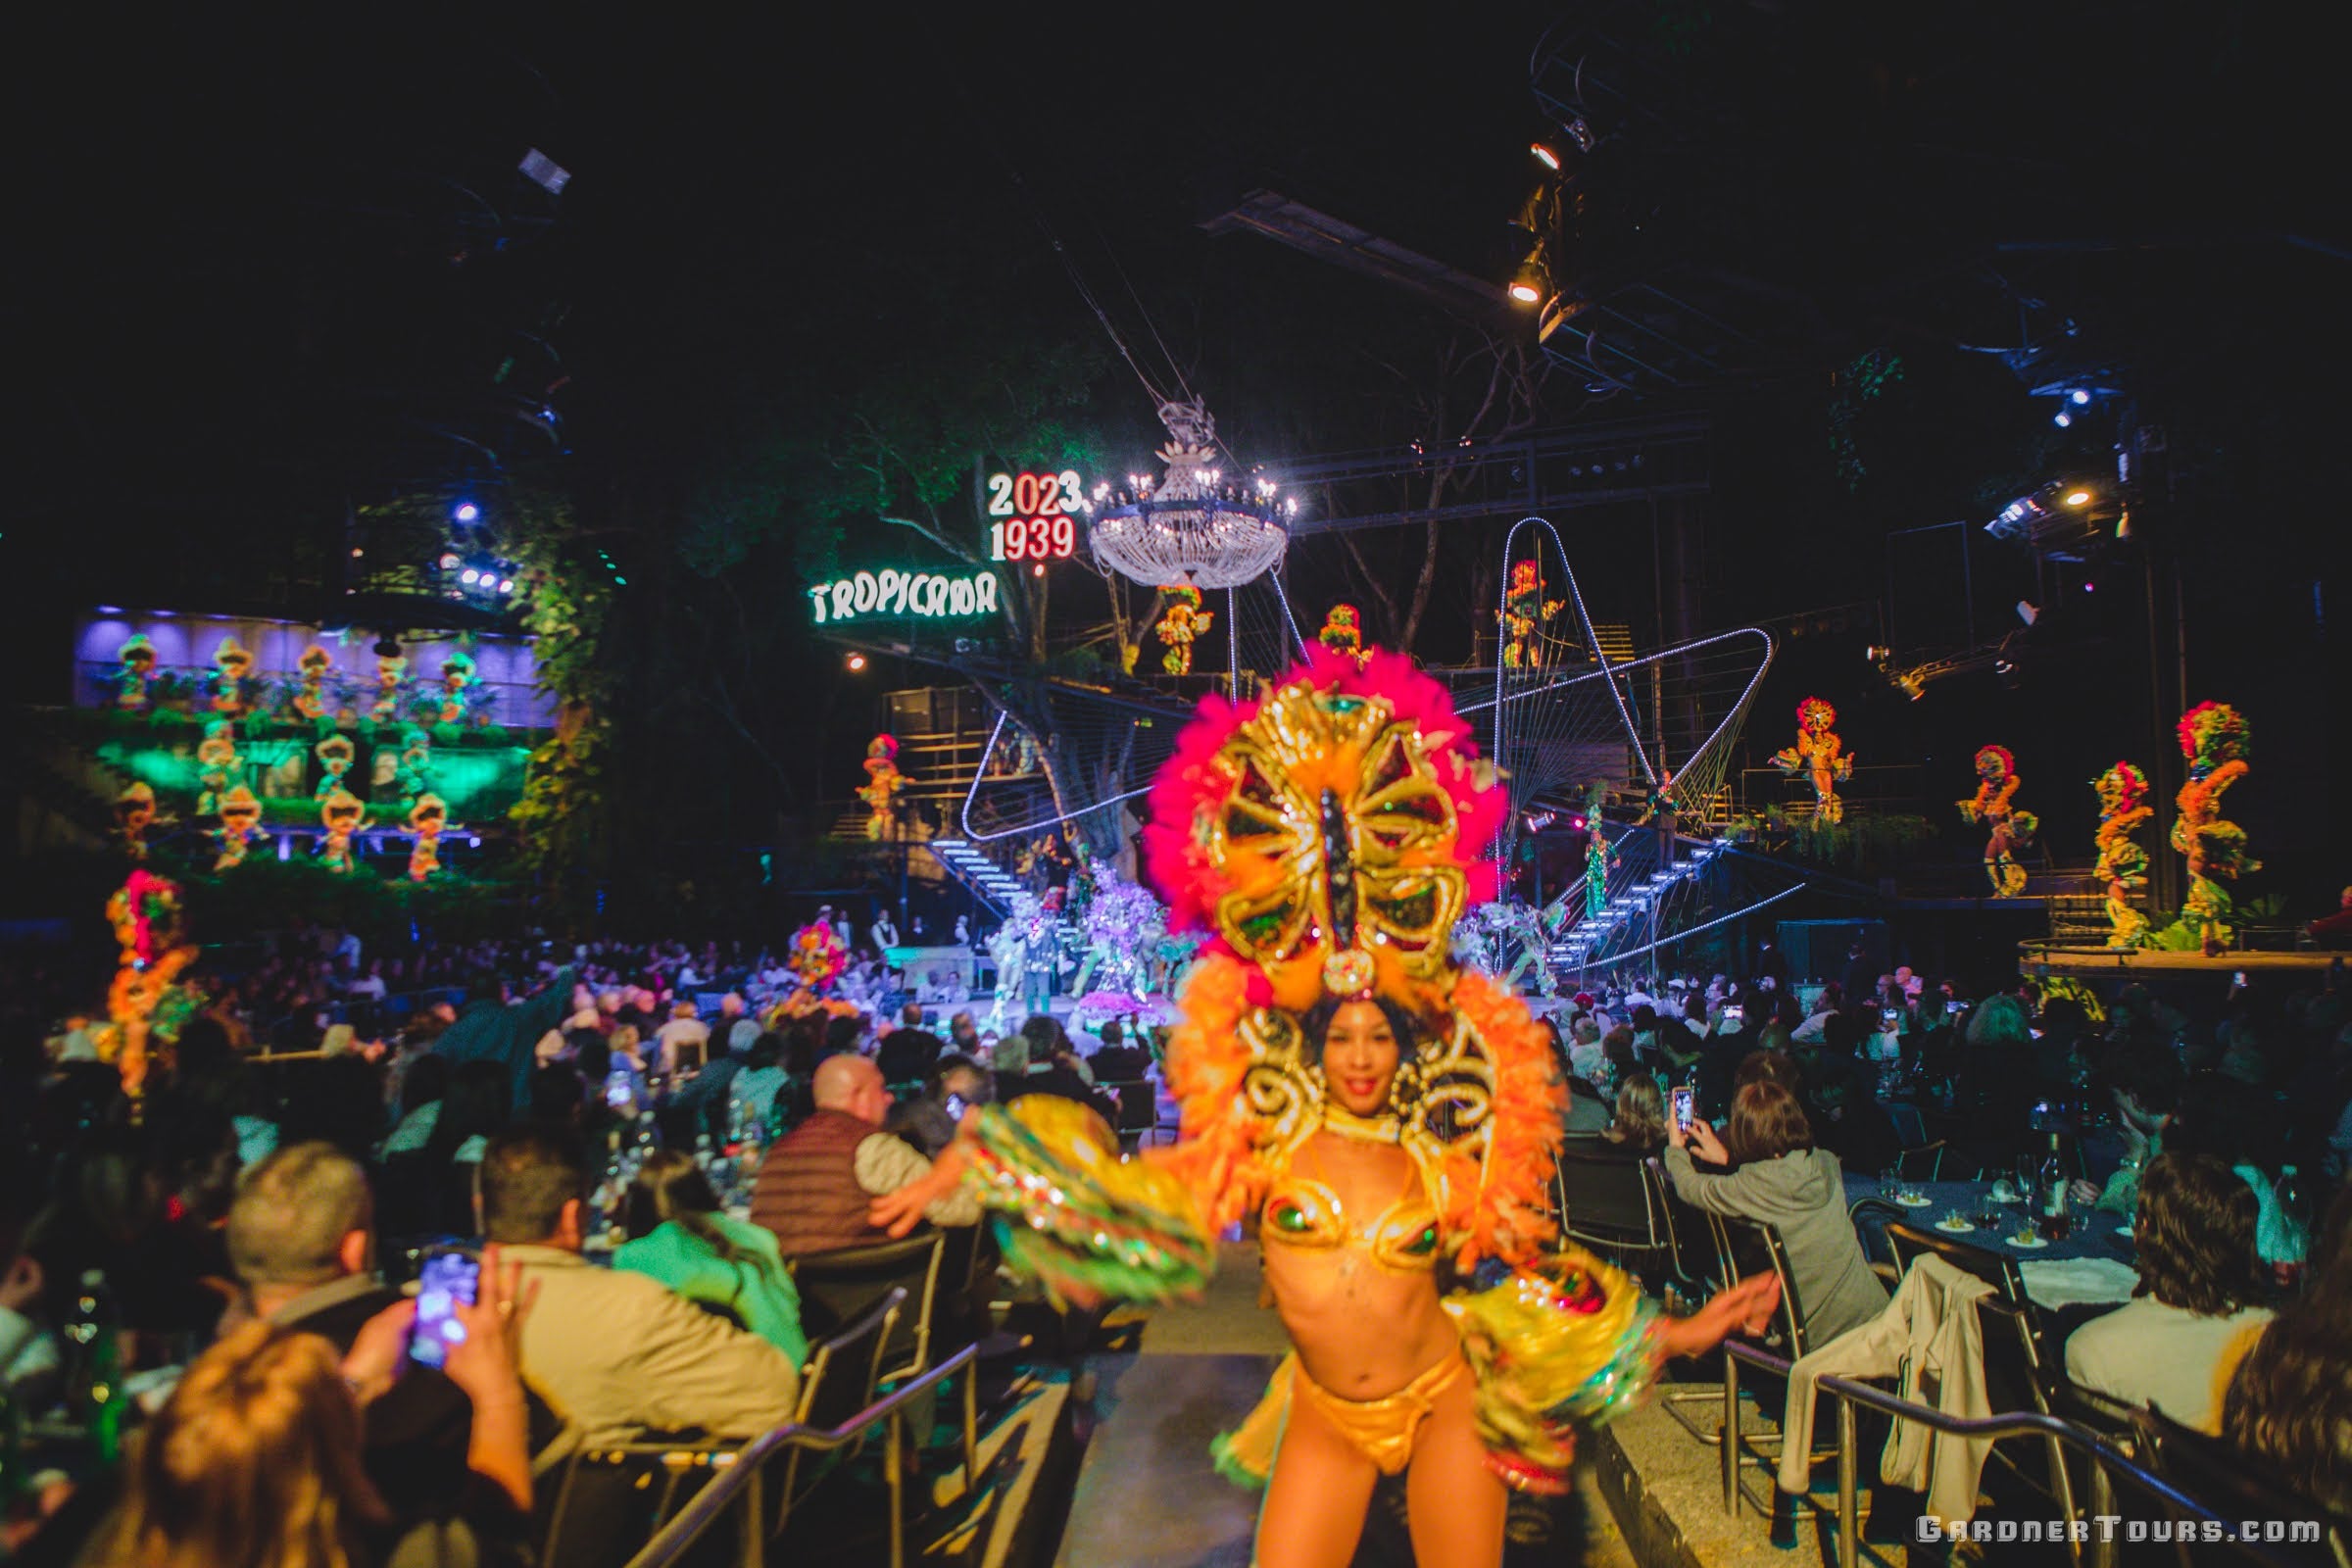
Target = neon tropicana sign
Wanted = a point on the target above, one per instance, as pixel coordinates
(905, 593)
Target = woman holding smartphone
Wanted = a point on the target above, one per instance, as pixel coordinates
(256, 1455)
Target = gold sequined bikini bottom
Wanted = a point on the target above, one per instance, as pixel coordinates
(1382, 1430)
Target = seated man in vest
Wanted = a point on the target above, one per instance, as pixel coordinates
(821, 1181)
(616, 1353)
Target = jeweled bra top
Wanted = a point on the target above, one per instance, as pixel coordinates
(1303, 1212)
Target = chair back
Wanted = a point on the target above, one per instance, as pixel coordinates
(2214, 1472)
(1910, 1127)
(1870, 1215)
(606, 1499)
(1996, 1269)
(837, 1287)
(1923, 1162)
(844, 1369)
(1697, 1250)
(1606, 1200)
(1753, 1246)
(1138, 1106)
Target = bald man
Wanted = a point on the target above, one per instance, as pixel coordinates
(818, 1184)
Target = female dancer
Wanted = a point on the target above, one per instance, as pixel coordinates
(1387, 1119)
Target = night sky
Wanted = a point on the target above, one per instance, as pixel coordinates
(264, 271)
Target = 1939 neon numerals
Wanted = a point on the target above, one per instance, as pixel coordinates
(1033, 515)
(1032, 539)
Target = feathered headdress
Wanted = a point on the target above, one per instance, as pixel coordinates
(1328, 836)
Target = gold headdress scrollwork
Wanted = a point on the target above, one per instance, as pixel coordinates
(1329, 835)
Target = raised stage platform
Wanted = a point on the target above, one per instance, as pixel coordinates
(2124, 964)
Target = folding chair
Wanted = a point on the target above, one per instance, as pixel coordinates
(611, 1495)
(1139, 1109)
(1924, 1163)
(1607, 1204)
(2235, 1484)
(839, 1382)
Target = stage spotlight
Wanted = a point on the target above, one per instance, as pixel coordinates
(2079, 397)
(2078, 498)
(1875, 654)
(2063, 420)
(469, 576)
(449, 561)
(466, 512)
(1546, 156)
(1529, 282)
(2028, 611)
(856, 662)
(506, 585)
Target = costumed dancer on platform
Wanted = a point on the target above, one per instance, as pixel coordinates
(135, 817)
(1525, 609)
(240, 821)
(2216, 740)
(343, 815)
(1343, 633)
(218, 764)
(883, 781)
(2012, 829)
(229, 687)
(1183, 624)
(1821, 756)
(1386, 1118)
(311, 701)
(1599, 857)
(391, 675)
(134, 669)
(2122, 864)
(428, 820)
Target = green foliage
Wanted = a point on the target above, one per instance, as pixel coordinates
(561, 823)
(1865, 379)
(901, 444)
(267, 893)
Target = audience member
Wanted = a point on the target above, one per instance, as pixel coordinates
(2289, 1402)
(930, 1119)
(817, 1187)
(615, 1353)
(1119, 1062)
(1639, 1127)
(684, 1044)
(680, 1236)
(2174, 1344)
(908, 1053)
(1781, 1179)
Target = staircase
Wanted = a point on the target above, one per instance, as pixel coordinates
(981, 876)
(1633, 902)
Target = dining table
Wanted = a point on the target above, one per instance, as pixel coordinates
(2090, 1266)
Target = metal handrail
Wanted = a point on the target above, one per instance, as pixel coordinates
(669, 1544)
(2024, 1423)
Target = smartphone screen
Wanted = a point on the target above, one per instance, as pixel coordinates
(1681, 1106)
(1889, 1017)
(447, 1278)
(1733, 1012)
(955, 1108)
(1955, 1007)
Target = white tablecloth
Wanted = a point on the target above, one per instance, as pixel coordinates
(2060, 1282)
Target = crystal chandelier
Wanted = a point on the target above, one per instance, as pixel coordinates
(1191, 527)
